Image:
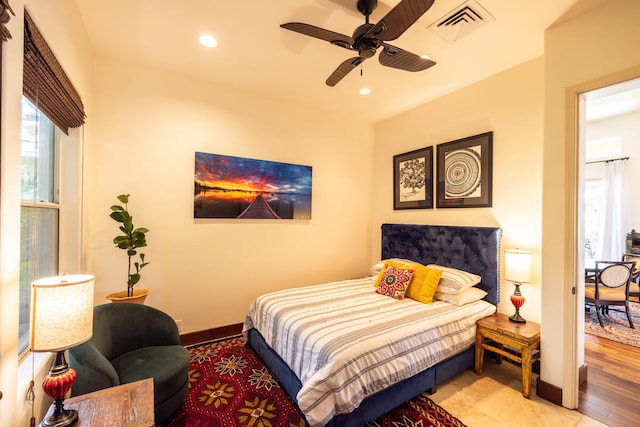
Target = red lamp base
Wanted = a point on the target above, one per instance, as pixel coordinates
(517, 300)
(57, 384)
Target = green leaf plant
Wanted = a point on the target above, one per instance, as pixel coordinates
(130, 240)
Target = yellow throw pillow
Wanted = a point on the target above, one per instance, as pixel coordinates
(424, 290)
(397, 264)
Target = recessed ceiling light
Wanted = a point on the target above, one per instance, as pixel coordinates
(364, 91)
(208, 41)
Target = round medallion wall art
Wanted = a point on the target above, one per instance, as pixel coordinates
(462, 173)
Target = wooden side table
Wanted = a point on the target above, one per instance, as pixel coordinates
(496, 332)
(124, 405)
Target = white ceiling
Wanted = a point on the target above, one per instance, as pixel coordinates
(616, 100)
(255, 54)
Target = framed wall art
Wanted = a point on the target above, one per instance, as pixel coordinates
(464, 177)
(237, 187)
(413, 179)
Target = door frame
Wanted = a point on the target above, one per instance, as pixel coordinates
(574, 320)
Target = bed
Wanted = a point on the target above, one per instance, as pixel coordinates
(351, 398)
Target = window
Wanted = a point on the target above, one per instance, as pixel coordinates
(50, 107)
(39, 209)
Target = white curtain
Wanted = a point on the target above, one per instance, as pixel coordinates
(614, 216)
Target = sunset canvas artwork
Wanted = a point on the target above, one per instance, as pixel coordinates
(237, 187)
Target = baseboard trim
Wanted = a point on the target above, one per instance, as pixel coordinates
(210, 334)
(549, 392)
(582, 375)
(554, 394)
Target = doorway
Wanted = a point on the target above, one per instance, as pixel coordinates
(609, 131)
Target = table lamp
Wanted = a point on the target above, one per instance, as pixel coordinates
(517, 269)
(61, 318)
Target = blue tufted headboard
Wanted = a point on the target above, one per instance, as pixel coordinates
(472, 249)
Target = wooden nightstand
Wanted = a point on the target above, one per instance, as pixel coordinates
(519, 342)
(128, 404)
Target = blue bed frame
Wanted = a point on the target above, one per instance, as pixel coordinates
(473, 249)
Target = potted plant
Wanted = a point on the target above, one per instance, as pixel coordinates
(130, 240)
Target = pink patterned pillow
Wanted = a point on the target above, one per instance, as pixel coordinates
(394, 281)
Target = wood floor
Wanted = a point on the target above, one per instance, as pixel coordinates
(611, 394)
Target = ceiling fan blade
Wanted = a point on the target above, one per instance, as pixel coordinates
(395, 57)
(401, 17)
(343, 69)
(320, 33)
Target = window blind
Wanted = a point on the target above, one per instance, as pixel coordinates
(5, 9)
(45, 82)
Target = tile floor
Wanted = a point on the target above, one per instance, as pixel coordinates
(494, 399)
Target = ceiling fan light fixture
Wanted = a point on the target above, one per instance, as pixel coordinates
(364, 91)
(425, 56)
(208, 41)
(368, 37)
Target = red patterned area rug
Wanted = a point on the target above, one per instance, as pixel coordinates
(229, 385)
(616, 326)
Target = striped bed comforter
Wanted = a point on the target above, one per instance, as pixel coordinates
(345, 342)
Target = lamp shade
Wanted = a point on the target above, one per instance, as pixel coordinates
(61, 312)
(517, 265)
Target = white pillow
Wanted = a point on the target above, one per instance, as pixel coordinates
(375, 270)
(454, 281)
(470, 295)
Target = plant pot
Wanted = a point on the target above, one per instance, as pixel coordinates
(139, 295)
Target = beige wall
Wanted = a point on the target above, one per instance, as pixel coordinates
(511, 109)
(10, 221)
(147, 127)
(591, 50)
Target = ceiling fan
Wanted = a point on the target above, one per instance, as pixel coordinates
(367, 38)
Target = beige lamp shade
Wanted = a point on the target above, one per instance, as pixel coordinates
(61, 312)
(517, 265)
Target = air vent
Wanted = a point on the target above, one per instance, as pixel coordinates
(464, 19)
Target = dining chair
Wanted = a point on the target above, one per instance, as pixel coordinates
(610, 287)
(634, 287)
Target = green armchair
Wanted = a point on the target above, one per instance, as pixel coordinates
(131, 342)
